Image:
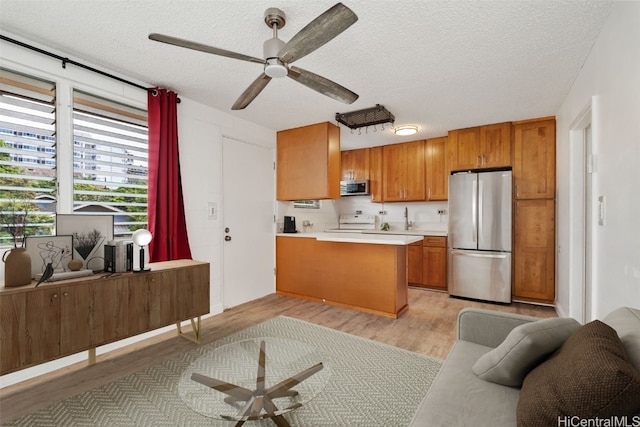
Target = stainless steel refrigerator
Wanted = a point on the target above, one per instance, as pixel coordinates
(479, 238)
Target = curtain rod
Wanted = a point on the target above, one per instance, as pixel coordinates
(66, 61)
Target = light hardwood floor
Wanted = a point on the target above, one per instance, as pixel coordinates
(428, 327)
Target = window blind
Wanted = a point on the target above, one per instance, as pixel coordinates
(110, 161)
(27, 156)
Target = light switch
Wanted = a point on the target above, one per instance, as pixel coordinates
(212, 210)
(601, 210)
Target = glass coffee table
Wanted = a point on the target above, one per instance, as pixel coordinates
(254, 379)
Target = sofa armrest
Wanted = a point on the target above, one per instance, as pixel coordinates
(488, 327)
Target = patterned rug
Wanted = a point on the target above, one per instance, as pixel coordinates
(371, 384)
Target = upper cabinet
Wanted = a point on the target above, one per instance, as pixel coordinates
(375, 174)
(534, 159)
(355, 164)
(403, 170)
(308, 162)
(437, 169)
(480, 147)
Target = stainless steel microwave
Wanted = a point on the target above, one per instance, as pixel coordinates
(354, 188)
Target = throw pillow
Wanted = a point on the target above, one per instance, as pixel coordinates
(524, 348)
(589, 377)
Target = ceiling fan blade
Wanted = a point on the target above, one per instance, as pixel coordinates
(322, 85)
(251, 92)
(318, 32)
(202, 47)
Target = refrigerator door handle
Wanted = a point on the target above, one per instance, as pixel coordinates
(480, 199)
(477, 255)
(474, 210)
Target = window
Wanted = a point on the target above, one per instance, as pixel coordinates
(110, 161)
(27, 157)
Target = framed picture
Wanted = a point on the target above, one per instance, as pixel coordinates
(57, 250)
(90, 233)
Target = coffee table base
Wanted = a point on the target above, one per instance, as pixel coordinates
(260, 398)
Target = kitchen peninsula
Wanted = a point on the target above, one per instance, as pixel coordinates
(366, 272)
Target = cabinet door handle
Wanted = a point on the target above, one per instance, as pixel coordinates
(55, 295)
(64, 294)
(478, 161)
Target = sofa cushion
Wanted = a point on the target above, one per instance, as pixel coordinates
(524, 348)
(459, 398)
(626, 322)
(589, 376)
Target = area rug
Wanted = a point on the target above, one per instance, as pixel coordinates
(371, 384)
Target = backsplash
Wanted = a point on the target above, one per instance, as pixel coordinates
(423, 215)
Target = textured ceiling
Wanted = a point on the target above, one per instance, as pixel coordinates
(438, 64)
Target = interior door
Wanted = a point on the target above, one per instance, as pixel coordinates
(248, 206)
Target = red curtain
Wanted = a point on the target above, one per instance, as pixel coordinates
(167, 222)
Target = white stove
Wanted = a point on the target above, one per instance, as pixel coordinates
(355, 223)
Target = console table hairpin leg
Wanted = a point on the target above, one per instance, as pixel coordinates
(195, 326)
(260, 398)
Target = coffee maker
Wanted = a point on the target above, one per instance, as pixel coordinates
(289, 224)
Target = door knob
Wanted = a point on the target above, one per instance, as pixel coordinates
(227, 238)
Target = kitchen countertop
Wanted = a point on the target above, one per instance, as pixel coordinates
(387, 238)
(409, 232)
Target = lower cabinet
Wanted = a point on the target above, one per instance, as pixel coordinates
(533, 251)
(428, 266)
(61, 318)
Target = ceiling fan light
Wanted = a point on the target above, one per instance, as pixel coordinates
(275, 69)
(405, 130)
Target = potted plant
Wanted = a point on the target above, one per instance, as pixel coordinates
(14, 219)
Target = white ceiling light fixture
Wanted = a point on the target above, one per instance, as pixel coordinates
(405, 130)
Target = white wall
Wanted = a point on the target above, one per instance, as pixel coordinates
(200, 131)
(610, 82)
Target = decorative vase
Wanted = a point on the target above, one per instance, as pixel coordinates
(17, 267)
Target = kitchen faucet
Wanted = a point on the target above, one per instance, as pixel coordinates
(406, 218)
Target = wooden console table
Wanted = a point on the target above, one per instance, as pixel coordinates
(62, 318)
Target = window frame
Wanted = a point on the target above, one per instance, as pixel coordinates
(67, 80)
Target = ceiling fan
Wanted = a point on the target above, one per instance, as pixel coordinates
(278, 55)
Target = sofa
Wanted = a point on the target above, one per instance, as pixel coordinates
(460, 397)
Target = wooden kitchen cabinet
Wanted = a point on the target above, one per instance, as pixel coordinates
(427, 263)
(308, 162)
(403, 172)
(534, 251)
(375, 174)
(480, 147)
(437, 169)
(61, 318)
(534, 166)
(414, 262)
(355, 164)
